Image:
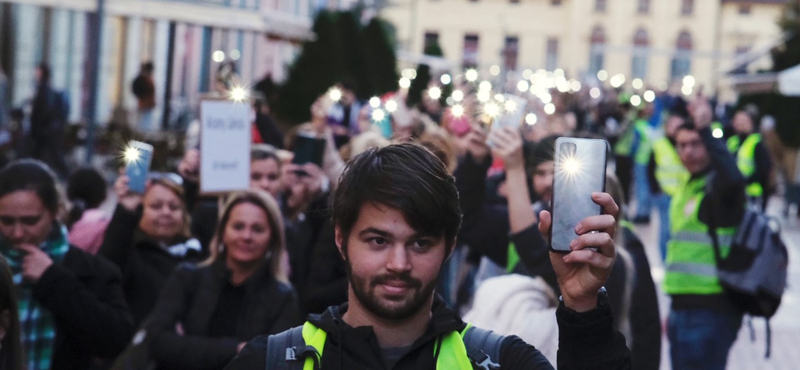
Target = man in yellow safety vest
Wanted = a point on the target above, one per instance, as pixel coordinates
(752, 157)
(666, 173)
(397, 214)
(703, 323)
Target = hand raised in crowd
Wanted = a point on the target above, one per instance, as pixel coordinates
(474, 143)
(125, 197)
(35, 262)
(507, 144)
(189, 168)
(701, 111)
(583, 271)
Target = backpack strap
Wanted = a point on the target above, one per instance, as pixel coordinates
(281, 354)
(483, 347)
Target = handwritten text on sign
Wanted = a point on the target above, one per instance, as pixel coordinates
(224, 146)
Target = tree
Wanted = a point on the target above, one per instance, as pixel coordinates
(342, 50)
(423, 79)
(382, 62)
(788, 55)
(320, 65)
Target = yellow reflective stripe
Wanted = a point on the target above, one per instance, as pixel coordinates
(314, 337)
(453, 353)
(693, 269)
(702, 238)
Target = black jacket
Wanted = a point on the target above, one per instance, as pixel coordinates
(190, 299)
(144, 264)
(587, 342)
(84, 293)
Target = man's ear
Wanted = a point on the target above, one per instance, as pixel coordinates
(339, 238)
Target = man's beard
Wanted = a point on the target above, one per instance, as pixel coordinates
(365, 293)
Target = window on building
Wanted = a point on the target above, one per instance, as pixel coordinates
(641, 42)
(470, 59)
(514, 1)
(597, 50)
(600, 6)
(643, 7)
(510, 53)
(431, 39)
(682, 60)
(552, 54)
(687, 7)
(745, 9)
(555, 2)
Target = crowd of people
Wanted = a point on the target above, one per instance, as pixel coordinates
(412, 218)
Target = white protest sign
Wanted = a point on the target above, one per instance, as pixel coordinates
(224, 146)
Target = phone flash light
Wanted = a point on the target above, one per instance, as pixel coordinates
(238, 94)
(378, 115)
(571, 166)
(491, 109)
(511, 106)
(130, 155)
(457, 110)
(335, 94)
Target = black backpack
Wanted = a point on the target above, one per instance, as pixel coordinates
(288, 350)
(754, 272)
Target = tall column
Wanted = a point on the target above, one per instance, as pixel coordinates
(160, 58)
(27, 42)
(75, 66)
(133, 47)
(59, 47)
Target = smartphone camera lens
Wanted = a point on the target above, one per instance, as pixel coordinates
(569, 149)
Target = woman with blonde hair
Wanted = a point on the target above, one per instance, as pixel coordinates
(208, 312)
(147, 237)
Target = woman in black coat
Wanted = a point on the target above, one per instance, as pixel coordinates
(207, 313)
(70, 303)
(148, 237)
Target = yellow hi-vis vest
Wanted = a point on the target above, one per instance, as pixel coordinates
(670, 172)
(691, 264)
(746, 160)
(452, 354)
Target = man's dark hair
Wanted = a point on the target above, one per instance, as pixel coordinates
(687, 125)
(407, 177)
(538, 153)
(45, 72)
(147, 67)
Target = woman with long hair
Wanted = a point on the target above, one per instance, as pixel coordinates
(207, 312)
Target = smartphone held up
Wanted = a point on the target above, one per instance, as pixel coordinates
(580, 170)
(137, 156)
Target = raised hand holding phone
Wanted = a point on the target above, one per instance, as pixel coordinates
(582, 272)
(138, 156)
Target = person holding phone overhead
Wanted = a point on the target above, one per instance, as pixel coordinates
(147, 237)
(70, 303)
(703, 323)
(397, 214)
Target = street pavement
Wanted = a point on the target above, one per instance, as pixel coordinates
(785, 325)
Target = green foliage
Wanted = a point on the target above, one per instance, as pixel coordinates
(423, 79)
(342, 50)
(788, 55)
(783, 109)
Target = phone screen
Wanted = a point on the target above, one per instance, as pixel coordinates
(138, 167)
(580, 170)
(308, 149)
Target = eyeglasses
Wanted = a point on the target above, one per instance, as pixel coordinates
(24, 220)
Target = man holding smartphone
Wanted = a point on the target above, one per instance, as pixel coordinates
(703, 323)
(397, 215)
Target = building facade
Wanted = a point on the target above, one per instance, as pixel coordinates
(656, 41)
(187, 40)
